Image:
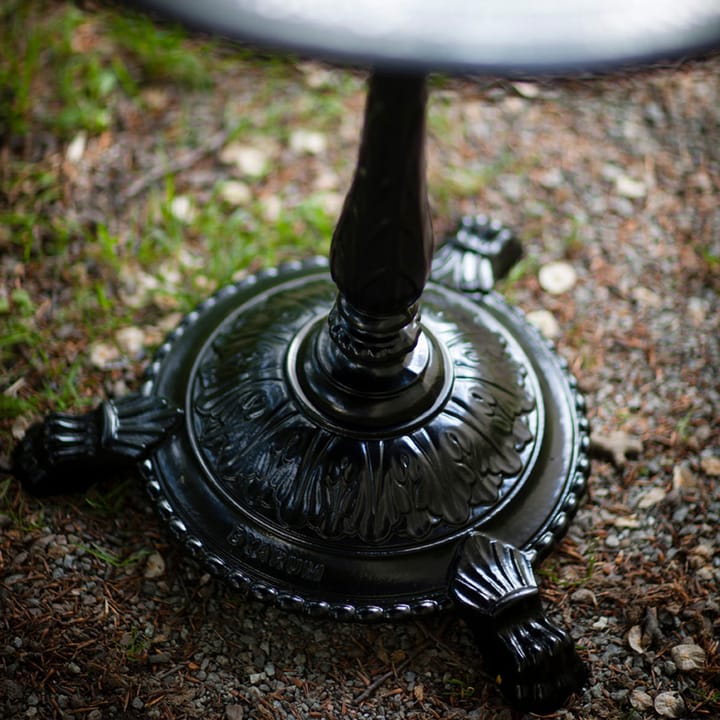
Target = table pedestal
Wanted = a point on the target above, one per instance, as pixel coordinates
(381, 438)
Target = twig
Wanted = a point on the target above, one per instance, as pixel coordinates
(183, 162)
(378, 681)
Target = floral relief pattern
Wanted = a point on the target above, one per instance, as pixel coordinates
(262, 450)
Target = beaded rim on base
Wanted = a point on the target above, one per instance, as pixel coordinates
(188, 528)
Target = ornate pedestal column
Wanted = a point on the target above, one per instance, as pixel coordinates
(361, 441)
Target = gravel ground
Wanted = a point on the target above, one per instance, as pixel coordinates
(101, 616)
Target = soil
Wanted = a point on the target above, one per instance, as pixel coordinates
(103, 616)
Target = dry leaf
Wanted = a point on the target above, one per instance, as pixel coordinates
(617, 445)
(635, 639)
(651, 497)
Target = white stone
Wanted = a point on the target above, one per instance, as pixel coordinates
(236, 192)
(20, 427)
(182, 208)
(544, 321)
(307, 141)
(526, 89)
(640, 700)
(628, 188)
(155, 566)
(326, 180)
(552, 178)
(103, 355)
(698, 309)
(251, 161)
(683, 477)
(646, 297)
(271, 207)
(557, 277)
(76, 148)
(627, 522)
(130, 340)
(331, 203)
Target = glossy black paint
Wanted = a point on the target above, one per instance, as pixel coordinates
(66, 453)
(356, 441)
(533, 660)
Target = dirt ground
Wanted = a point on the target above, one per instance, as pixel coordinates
(103, 616)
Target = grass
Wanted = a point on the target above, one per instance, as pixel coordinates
(25, 515)
(77, 78)
(112, 559)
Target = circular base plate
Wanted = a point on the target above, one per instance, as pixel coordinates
(347, 517)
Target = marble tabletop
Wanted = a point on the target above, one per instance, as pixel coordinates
(492, 36)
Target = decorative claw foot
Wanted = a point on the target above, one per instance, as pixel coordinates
(65, 453)
(534, 661)
(480, 252)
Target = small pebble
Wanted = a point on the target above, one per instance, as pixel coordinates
(250, 161)
(76, 148)
(683, 477)
(236, 192)
(103, 355)
(234, 712)
(155, 566)
(627, 187)
(527, 90)
(182, 208)
(711, 466)
(698, 309)
(544, 321)
(552, 178)
(640, 700)
(584, 596)
(130, 340)
(309, 142)
(159, 659)
(557, 277)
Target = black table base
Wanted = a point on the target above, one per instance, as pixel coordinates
(380, 438)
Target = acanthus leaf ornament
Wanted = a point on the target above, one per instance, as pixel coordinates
(261, 448)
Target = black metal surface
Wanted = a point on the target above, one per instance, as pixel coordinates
(498, 37)
(345, 521)
(534, 660)
(316, 438)
(68, 453)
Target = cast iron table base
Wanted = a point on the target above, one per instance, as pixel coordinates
(312, 438)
